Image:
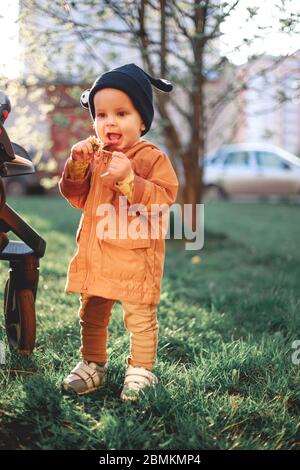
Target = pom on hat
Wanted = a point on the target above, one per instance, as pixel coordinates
(160, 83)
(84, 99)
(136, 83)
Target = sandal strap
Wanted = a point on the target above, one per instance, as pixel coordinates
(136, 378)
(139, 375)
(85, 373)
(86, 380)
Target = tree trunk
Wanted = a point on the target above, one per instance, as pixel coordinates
(192, 191)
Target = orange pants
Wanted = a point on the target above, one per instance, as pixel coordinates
(139, 319)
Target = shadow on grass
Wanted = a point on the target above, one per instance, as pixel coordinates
(44, 416)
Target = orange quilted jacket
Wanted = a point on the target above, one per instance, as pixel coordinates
(117, 264)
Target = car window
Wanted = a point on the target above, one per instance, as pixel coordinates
(237, 158)
(270, 160)
(213, 160)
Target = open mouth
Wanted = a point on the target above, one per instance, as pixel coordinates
(113, 138)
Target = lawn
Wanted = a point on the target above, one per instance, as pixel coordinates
(228, 319)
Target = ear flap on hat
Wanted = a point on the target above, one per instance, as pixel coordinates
(160, 83)
(84, 99)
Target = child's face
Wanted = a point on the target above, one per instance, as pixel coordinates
(117, 122)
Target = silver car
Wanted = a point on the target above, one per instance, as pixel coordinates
(251, 169)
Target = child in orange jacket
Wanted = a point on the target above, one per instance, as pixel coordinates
(128, 173)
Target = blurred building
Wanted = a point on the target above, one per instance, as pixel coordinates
(270, 105)
(68, 122)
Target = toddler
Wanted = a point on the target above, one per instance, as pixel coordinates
(123, 172)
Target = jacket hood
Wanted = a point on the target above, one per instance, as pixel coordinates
(141, 144)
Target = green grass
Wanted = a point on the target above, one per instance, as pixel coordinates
(227, 324)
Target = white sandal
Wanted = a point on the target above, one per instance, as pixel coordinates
(136, 378)
(85, 378)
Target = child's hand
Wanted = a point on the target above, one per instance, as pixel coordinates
(119, 166)
(82, 150)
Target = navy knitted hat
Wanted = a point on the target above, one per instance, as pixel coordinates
(136, 83)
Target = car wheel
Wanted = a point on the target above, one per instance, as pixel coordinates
(213, 192)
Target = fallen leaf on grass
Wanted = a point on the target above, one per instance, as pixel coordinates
(195, 260)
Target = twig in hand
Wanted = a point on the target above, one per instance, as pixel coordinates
(96, 143)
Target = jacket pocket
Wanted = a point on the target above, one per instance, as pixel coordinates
(128, 243)
(125, 259)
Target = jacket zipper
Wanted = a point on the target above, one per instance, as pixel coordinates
(85, 283)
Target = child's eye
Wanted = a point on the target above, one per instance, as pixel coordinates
(120, 113)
